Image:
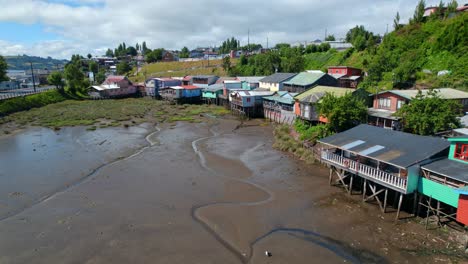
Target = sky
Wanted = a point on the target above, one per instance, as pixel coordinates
(60, 28)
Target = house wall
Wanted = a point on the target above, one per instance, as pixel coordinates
(453, 144)
(412, 178)
(274, 87)
(347, 71)
(191, 92)
(393, 101)
(438, 191)
(462, 212)
(249, 86)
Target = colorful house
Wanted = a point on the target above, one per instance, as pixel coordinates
(113, 86)
(210, 95)
(348, 77)
(382, 160)
(275, 81)
(386, 103)
(154, 84)
(248, 103)
(306, 80)
(250, 82)
(279, 107)
(305, 102)
(182, 94)
(204, 79)
(444, 182)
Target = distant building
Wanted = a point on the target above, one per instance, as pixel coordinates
(250, 82)
(279, 107)
(182, 93)
(9, 85)
(154, 84)
(204, 79)
(248, 103)
(169, 56)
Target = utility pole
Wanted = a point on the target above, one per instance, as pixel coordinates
(325, 34)
(267, 42)
(248, 39)
(32, 74)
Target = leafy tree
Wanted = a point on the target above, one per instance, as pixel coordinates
(132, 51)
(396, 22)
(282, 45)
(3, 69)
(89, 56)
(144, 48)
(228, 45)
(294, 63)
(418, 15)
(243, 60)
(56, 78)
(109, 53)
(251, 47)
(184, 53)
(359, 37)
(101, 76)
(74, 77)
(227, 64)
(429, 114)
(330, 38)
(154, 56)
(93, 67)
(311, 48)
(343, 112)
(123, 67)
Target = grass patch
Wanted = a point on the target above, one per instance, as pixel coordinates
(285, 142)
(111, 113)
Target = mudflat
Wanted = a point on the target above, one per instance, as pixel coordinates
(211, 192)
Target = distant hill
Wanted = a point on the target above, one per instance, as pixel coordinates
(23, 62)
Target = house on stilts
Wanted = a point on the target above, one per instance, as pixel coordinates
(248, 103)
(279, 107)
(380, 162)
(181, 94)
(210, 94)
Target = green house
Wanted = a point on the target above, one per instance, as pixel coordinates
(211, 94)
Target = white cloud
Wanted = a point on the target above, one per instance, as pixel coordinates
(90, 26)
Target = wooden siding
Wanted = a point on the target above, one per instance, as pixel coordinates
(438, 191)
(462, 211)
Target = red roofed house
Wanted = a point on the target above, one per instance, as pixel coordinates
(348, 77)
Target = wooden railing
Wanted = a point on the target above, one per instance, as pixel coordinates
(365, 170)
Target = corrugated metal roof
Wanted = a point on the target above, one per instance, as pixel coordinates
(449, 168)
(278, 77)
(336, 91)
(399, 148)
(306, 78)
(254, 93)
(382, 113)
(250, 79)
(445, 93)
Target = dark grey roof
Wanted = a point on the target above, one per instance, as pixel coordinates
(278, 77)
(393, 147)
(449, 168)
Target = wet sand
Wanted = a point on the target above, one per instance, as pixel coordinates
(201, 193)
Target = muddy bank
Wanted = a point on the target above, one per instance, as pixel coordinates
(208, 193)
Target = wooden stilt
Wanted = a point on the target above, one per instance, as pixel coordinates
(428, 211)
(419, 205)
(399, 207)
(330, 177)
(375, 194)
(350, 191)
(415, 199)
(438, 212)
(385, 201)
(364, 190)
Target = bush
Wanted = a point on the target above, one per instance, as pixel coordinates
(32, 101)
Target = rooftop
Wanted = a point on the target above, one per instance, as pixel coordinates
(445, 93)
(282, 97)
(449, 168)
(306, 78)
(336, 91)
(250, 79)
(393, 147)
(278, 77)
(254, 93)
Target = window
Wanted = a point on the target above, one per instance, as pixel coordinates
(400, 103)
(461, 151)
(384, 103)
(248, 100)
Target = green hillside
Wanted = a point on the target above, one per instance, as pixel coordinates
(410, 56)
(22, 62)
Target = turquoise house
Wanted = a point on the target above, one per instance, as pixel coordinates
(210, 95)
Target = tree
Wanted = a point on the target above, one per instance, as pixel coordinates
(294, 63)
(418, 15)
(154, 56)
(109, 53)
(3, 69)
(184, 53)
(429, 114)
(282, 45)
(451, 7)
(144, 48)
(101, 76)
(89, 56)
(132, 51)
(227, 64)
(74, 77)
(123, 67)
(93, 67)
(343, 112)
(56, 78)
(243, 60)
(396, 22)
(330, 38)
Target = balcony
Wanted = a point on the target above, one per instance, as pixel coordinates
(365, 171)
